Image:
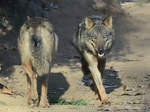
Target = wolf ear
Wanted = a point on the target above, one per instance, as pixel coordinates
(89, 23)
(108, 22)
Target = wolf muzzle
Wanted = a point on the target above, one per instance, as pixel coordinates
(101, 52)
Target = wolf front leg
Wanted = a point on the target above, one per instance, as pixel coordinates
(93, 63)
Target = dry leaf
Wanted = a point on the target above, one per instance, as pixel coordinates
(5, 90)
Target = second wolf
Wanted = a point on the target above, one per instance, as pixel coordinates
(94, 40)
(37, 44)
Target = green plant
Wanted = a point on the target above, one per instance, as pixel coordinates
(2, 103)
(64, 102)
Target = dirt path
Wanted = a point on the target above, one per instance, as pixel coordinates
(130, 56)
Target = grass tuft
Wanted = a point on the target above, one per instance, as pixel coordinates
(2, 103)
(65, 102)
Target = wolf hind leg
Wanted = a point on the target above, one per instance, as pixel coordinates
(31, 84)
(44, 86)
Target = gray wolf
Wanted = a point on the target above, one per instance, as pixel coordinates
(94, 40)
(37, 44)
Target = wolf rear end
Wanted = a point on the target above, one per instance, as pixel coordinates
(94, 39)
(37, 44)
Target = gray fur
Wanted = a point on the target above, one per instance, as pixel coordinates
(37, 43)
(84, 40)
(93, 43)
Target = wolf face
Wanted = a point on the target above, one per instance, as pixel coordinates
(96, 35)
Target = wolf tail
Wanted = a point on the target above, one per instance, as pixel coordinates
(36, 44)
(40, 63)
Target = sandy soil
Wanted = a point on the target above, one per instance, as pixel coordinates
(130, 56)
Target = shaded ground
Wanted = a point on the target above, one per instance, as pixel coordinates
(130, 56)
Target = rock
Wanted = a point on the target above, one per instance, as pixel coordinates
(139, 93)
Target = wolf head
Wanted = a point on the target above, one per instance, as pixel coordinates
(99, 35)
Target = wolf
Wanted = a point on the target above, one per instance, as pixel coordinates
(37, 44)
(94, 39)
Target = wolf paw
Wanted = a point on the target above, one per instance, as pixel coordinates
(33, 101)
(105, 101)
(44, 103)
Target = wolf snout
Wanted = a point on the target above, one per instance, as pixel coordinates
(101, 51)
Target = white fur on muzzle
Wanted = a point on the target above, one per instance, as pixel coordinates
(100, 55)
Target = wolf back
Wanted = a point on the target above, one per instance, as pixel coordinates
(37, 44)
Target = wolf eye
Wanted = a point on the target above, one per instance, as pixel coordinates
(110, 33)
(94, 39)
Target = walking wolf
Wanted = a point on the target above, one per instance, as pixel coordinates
(94, 40)
(37, 44)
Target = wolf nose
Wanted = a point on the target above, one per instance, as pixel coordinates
(101, 51)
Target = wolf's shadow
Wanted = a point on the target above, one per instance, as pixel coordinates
(111, 80)
(57, 86)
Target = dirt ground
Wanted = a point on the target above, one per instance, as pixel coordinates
(130, 56)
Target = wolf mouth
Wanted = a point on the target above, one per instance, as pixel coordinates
(100, 55)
